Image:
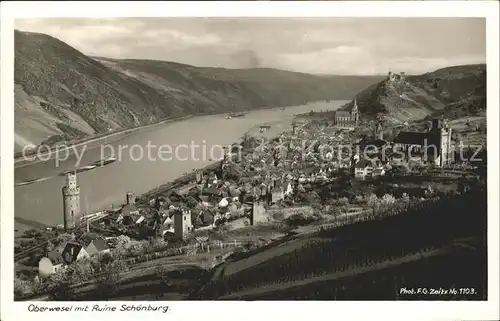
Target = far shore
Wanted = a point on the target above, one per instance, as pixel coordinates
(177, 182)
(21, 161)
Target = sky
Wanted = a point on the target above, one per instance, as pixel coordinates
(345, 46)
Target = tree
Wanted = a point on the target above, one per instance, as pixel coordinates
(79, 271)
(402, 169)
(388, 199)
(22, 289)
(190, 202)
(32, 233)
(59, 287)
(343, 201)
(109, 279)
(86, 238)
(63, 238)
(49, 247)
(429, 191)
(122, 240)
(373, 201)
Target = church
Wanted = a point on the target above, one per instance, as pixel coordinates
(345, 119)
(434, 146)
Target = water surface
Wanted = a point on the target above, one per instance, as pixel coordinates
(102, 187)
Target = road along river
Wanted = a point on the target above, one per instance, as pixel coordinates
(166, 155)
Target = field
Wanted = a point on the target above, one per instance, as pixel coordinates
(449, 223)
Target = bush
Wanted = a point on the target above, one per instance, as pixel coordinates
(388, 199)
(372, 200)
(343, 201)
(32, 233)
(297, 220)
(62, 238)
(58, 285)
(22, 289)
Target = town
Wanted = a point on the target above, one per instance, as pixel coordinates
(320, 173)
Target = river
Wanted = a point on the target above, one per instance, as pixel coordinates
(103, 187)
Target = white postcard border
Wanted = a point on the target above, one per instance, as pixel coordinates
(269, 310)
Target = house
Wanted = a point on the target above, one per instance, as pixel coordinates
(73, 252)
(199, 176)
(168, 222)
(258, 213)
(51, 263)
(212, 179)
(363, 169)
(280, 191)
(378, 172)
(97, 246)
(129, 209)
(207, 218)
(212, 192)
(128, 219)
(260, 190)
(276, 195)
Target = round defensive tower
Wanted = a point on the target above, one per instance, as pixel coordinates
(71, 201)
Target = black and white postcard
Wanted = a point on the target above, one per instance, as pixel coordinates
(341, 153)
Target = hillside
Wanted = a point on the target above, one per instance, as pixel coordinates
(368, 259)
(63, 95)
(453, 92)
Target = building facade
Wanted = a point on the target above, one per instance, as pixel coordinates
(97, 246)
(73, 252)
(51, 263)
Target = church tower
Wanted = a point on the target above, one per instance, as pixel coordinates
(71, 201)
(442, 132)
(355, 113)
(379, 132)
(445, 141)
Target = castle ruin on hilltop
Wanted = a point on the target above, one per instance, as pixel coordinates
(395, 77)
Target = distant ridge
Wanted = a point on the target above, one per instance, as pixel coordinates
(62, 95)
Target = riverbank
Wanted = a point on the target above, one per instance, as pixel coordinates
(21, 160)
(277, 128)
(176, 183)
(102, 187)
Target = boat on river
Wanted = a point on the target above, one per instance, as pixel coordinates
(104, 161)
(237, 115)
(78, 170)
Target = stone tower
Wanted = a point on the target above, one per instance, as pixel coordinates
(182, 224)
(446, 148)
(71, 201)
(199, 176)
(355, 113)
(443, 132)
(130, 198)
(379, 132)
